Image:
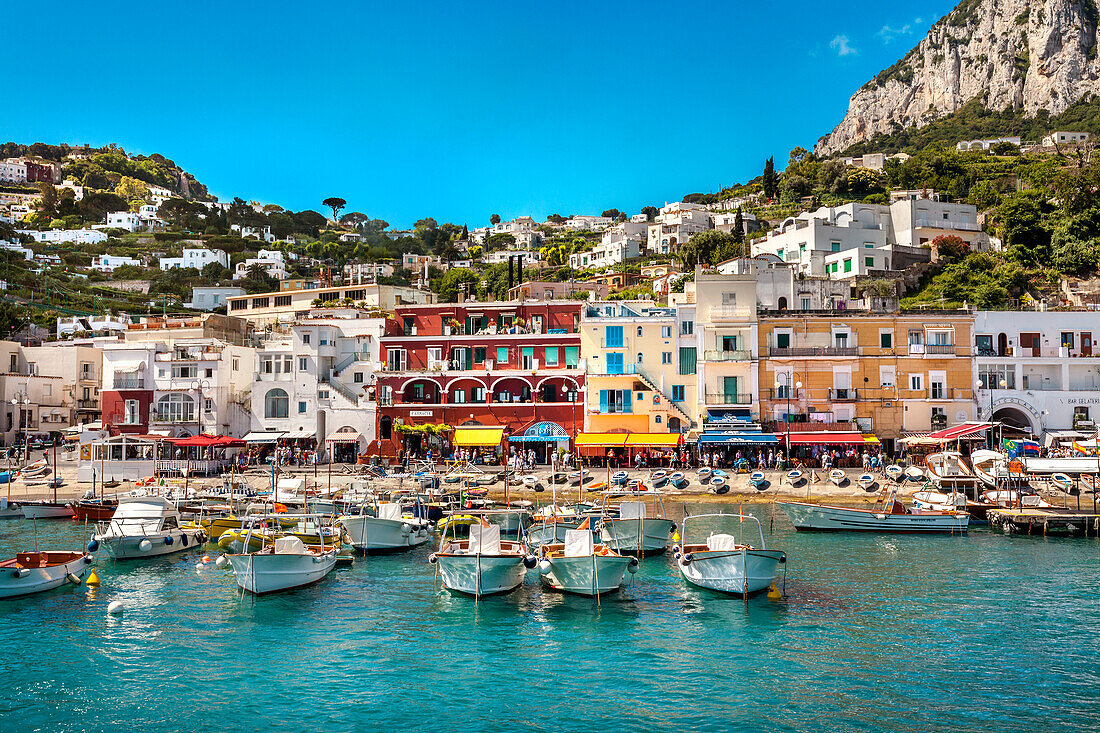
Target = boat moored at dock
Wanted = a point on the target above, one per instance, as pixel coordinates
(722, 561)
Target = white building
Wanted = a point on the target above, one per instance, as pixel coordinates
(590, 223)
(262, 233)
(1063, 137)
(964, 145)
(144, 218)
(674, 225)
(108, 263)
(605, 255)
(360, 272)
(28, 254)
(323, 364)
(61, 236)
(1038, 370)
(210, 298)
(13, 171)
(270, 260)
(196, 258)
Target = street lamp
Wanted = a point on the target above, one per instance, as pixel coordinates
(797, 385)
(989, 383)
(200, 385)
(22, 400)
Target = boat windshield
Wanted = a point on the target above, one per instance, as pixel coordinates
(713, 529)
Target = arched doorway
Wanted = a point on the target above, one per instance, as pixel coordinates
(1002, 344)
(782, 303)
(1013, 417)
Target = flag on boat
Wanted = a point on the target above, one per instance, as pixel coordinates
(1021, 448)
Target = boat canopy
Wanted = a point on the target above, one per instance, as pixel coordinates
(477, 437)
(735, 437)
(1062, 465)
(831, 439)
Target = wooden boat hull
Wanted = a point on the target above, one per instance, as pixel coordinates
(373, 534)
(47, 510)
(271, 573)
(823, 518)
(626, 535)
(93, 511)
(589, 575)
(731, 571)
(481, 575)
(39, 579)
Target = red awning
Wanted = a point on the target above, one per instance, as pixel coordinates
(828, 439)
(207, 441)
(955, 432)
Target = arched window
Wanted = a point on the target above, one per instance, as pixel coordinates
(276, 403)
(176, 407)
(782, 304)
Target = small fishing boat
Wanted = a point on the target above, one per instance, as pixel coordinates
(8, 476)
(913, 473)
(10, 509)
(795, 476)
(989, 466)
(719, 486)
(618, 478)
(559, 478)
(1011, 498)
(757, 480)
(385, 525)
(703, 473)
(56, 482)
(947, 470)
(889, 516)
(939, 501)
(452, 478)
(657, 479)
(486, 481)
(579, 566)
(482, 564)
(35, 572)
(94, 510)
(145, 526)
(1062, 482)
(576, 477)
(716, 473)
(632, 527)
(895, 473)
(552, 521)
(635, 484)
(837, 477)
(47, 510)
(596, 486)
(529, 481)
(678, 480)
(284, 564)
(722, 562)
(866, 482)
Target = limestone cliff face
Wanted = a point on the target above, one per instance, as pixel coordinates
(1020, 54)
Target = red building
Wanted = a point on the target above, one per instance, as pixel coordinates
(512, 365)
(39, 172)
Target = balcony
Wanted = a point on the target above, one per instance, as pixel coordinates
(87, 404)
(718, 313)
(960, 226)
(799, 351)
(948, 349)
(843, 395)
(172, 418)
(729, 398)
(781, 393)
(736, 355)
(129, 383)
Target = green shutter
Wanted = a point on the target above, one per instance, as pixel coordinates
(687, 360)
(572, 356)
(502, 355)
(551, 356)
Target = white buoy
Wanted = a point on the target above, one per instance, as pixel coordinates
(145, 545)
(220, 561)
(114, 608)
(199, 566)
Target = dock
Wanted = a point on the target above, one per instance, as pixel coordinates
(1046, 520)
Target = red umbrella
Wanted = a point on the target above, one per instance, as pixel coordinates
(198, 441)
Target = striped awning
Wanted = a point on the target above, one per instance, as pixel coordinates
(343, 436)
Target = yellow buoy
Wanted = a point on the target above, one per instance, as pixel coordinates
(774, 594)
(675, 536)
(92, 579)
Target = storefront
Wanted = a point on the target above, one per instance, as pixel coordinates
(725, 447)
(479, 444)
(618, 450)
(845, 450)
(544, 438)
(652, 450)
(343, 445)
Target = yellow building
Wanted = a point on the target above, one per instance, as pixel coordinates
(890, 374)
(640, 367)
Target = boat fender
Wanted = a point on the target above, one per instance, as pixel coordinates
(633, 566)
(530, 562)
(782, 559)
(114, 608)
(676, 555)
(674, 527)
(220, 561)
(686, 560)
(405, 530)
(545, 567)
(169, 540)
(88, 559)
(432, 559)
(73, 578)
(316, 559)
(145, 545)
(183, 539)
(675, 549)
(18, 572)
(93, 545)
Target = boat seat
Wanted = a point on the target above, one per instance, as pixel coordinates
(721, 542)
(389, 510)
(632, 510)
(578, 543)
(289, 546)
(31, 559)
(484, 540)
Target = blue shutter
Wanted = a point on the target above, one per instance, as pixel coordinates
(627, 402)
(603, 401)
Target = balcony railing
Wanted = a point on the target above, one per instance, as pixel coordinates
(962, 226)
(781, 393)
(940, 349)
(729, 398)
(168, 417)
(813, 351)
(87, 404)
(735, 355)
(843, 395)
(729, 312)
(129, 383)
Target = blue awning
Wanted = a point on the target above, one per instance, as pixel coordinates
(731, 437)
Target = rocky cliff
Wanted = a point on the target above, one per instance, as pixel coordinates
(1020, 54)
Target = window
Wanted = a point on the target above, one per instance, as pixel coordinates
(209, 372)
(886, 376)
(572, 357)
(614, 401)
(984, 345)
(551, 356)
(527, 357)
(997, 376)
(666, 332)
(677, 393)
(847, 264)
(133, 414)
(479, 354)
(305, 338)
(236, 363)
(239, 305)
(176, 407)
(1067, 340)
(640, 396)
(782, 340)
(282, 301)
(302, 407)
(916, 382)
(613, 337)
(687, 328)
(805, 304)
(502, 355)
(687, 360)
(666, 357)
(639, 330)
(657, 419)
(276, 403)
(885, 340)
(869, 261)
(184, 371)
(303, 363)
(260, 302)
(357, 377)
(458, 396)
(834, 246)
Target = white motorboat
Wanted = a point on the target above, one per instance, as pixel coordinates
(145, 526)
(837, 476)
(866, 481)
(939, 501)
(1014, 498)
(34, 572)
(385, 526)
(989, 466)
(579, 566)
(483, 564)
(949, 470)
(721, 562)
(285, 564)
(630, 527)
(47, 510)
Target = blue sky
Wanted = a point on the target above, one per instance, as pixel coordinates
(454, 110)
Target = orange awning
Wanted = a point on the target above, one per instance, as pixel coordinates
(601, 440)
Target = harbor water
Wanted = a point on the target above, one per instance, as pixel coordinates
(890, 633)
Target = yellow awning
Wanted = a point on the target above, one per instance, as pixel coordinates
(869, 439)
(653, 440)
(606, 440)
(477, 437)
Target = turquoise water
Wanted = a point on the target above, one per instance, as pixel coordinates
(878, 633)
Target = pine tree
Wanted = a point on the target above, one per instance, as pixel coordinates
(738, 227)
(770, 179)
